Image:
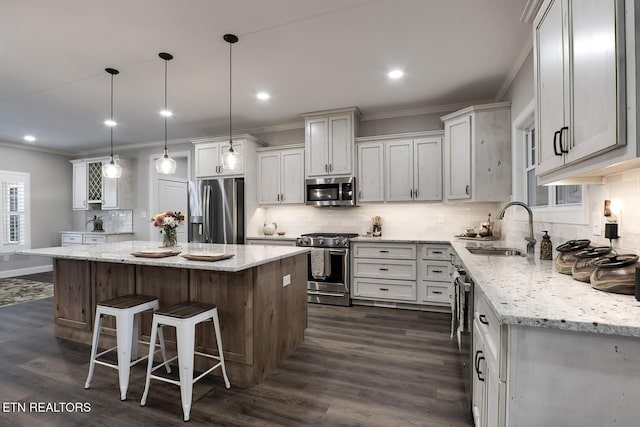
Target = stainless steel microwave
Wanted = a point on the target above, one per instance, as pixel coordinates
(330, 192)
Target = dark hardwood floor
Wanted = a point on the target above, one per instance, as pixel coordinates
(357, 366)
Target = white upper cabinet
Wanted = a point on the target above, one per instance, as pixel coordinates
(281, 176)
(209, 159)
(370, 178)
(579, 51)
(477, 153)
(400, 168)
(91, 188)
(329, 142)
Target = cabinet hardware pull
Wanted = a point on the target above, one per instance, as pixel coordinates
(562, 149)
(478, 371)
(452, 259)
(466, 189)
(437, 271)
(330, 167)
(437, 252)
(384, 289)
(411, 193)
(416, 191)
(384, 269)
(278, 197)
(282, 197)
(555, 143)
(483, 319)
(437, 292)
(384, 252)
(326, 168)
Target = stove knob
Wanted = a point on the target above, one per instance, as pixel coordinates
(320, 241)
(337, 241)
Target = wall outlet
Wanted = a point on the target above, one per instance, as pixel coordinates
(286, 280)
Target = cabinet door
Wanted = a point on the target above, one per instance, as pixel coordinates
(494, 396)
(238, 147)
(370, 180)
(207, 160)
(80, 182)
(110, 193)
(268, 178)
(399, 170)
(427, 168)
(458, 146)
(478, 380)
(317, 146)
(551, 76)
(595, 103)
(292, 176)
(340, 145)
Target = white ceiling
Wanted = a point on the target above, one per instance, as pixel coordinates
(308, 54)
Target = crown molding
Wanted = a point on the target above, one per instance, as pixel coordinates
(275, 128)
(417, 111)
(530, 10)
(407, 135)
(527, 47)
(39, 149)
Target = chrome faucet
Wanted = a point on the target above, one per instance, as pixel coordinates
(531, 242)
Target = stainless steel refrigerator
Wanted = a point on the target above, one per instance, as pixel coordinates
(216, 211)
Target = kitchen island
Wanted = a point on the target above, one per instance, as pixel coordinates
(260, 293)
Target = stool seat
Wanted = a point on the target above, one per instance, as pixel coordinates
(127, 301)
(184, 317)
(185, 310)
(126, 310)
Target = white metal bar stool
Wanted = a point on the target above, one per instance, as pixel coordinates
(126, 310)
(184, 317)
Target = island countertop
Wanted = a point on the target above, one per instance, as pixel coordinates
(245, 256)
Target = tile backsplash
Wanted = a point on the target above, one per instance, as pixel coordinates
(398, 219)
(114, 221)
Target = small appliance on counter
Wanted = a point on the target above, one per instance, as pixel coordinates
(567, 256)
(269, 229)
(615, 274)
(546, 247)
(584, 265)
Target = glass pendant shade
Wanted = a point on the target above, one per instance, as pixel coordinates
(111, 170)
(165, 165)
(231, 159)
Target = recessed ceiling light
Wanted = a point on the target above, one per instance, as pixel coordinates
(29, 138)
(166, 113)
(395, 74)
(110, 123)
(263, 96)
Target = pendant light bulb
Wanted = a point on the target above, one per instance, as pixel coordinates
(165, 165)
(111, 169)
(231, 159)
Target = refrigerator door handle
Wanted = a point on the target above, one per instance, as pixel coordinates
(206, 213)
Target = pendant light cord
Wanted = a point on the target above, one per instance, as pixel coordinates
(165, 107)
(230, 140)
(111, 127)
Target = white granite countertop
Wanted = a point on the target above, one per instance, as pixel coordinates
(273, 237)
(245, 256)
(527, 291)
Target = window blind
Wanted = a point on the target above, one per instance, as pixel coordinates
(14, 218)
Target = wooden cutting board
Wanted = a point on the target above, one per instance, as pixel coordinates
(206, 257)
(155, 254)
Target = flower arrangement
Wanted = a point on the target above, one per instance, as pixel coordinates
(168, 222)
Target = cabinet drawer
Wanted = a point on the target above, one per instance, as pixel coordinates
(384, 250)
(89, 239)
(435, 292)
(384, 269)
(437, 252)
(384, 289)
(488, 326)
(72, 239)
(435, 270)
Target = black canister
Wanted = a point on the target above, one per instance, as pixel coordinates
(546, 247)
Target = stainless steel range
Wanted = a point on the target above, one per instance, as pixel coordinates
(328, 271)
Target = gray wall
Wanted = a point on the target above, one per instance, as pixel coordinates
(521, 91)
(50, 198)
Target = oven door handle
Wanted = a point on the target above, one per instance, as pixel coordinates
(338, 251)
(328, 294)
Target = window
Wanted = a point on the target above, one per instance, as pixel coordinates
(539, 195)
(14, 211)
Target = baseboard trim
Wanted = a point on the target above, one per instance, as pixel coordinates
(26, 271)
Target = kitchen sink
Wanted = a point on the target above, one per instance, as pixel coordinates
(495, 250)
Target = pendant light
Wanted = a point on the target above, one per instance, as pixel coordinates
(111, 169)
(165, 165)
(231, 159)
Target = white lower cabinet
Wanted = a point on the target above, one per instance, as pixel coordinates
(71, 238)
(415, 274)
(271, 242)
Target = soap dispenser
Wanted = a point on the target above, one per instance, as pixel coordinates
(546, 247)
